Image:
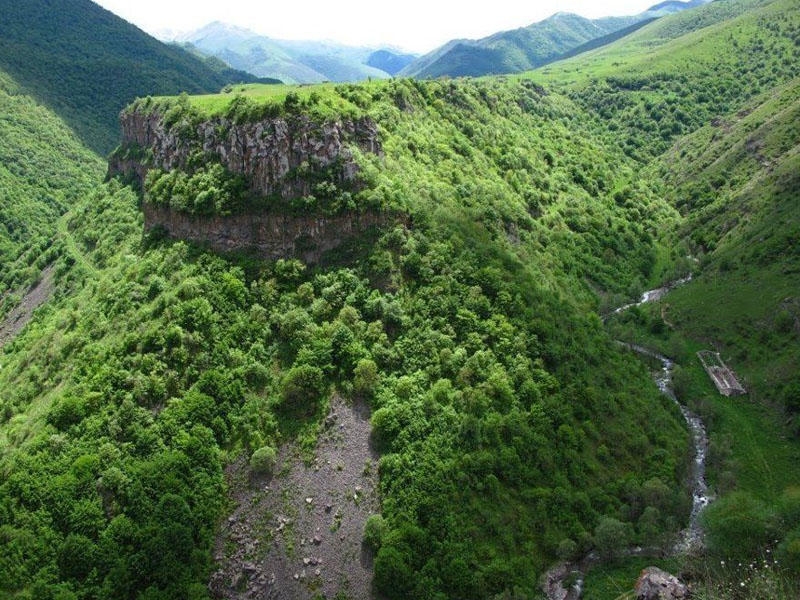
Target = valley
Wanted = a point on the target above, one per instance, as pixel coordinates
(359, 340)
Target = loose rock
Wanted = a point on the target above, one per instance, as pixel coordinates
(655, 584)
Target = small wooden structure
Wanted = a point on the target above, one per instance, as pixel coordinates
(720, 374)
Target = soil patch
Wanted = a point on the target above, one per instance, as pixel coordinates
(298, 534)
(22, 313)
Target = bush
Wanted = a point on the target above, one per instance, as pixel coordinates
(302, 389)
(263, 460)
(611, 537)
(374, 530)
(365, 377)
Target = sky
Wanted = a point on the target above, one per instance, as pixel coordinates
(412, 25)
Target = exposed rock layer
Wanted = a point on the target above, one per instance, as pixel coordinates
(277, 156)
(269, 235)
(273, 154)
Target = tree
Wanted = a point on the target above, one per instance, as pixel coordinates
(374, 530)
(302, 389)
(611, 538)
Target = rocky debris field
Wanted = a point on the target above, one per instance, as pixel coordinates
(22, 313)
(298, 534)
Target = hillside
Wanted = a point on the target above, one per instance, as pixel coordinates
(726, 75)
(293, 61)
(430, 405)
(44, 170)
(86, 64)
(529, 47)
(466, 334)
(514, 51)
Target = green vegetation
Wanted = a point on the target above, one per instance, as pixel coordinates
(479, 368)
(86, 64)
(44, 170)
(516, 50)
(513, 431)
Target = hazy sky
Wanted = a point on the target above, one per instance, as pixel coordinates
(417, 25)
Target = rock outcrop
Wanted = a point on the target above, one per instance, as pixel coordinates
(273, 154)
(280, 156)
(655, 584)
(270, 235)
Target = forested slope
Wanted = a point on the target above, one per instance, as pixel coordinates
(512, 429)
(44, 170)
(86, 64)
(496, 397)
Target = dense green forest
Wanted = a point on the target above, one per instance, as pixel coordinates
(512, 430)
(44, 170)
(86, 64)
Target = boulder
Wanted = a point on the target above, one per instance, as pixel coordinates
(655, 584)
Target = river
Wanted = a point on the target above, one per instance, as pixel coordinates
(691, 537)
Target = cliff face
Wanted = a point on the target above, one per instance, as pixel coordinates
(268, 153)
(276, 156)
(268, 235)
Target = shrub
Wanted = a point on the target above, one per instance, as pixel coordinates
(302, 389)
(263, 460)
(611, 537)
(374, 530)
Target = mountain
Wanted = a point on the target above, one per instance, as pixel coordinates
(432, 406)
(530, 47)
(86, 63)
(390, 61)
(673, 6)
(293, 61)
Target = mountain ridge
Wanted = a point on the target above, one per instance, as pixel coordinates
(530, 47)
(294, 61)
(77, 57)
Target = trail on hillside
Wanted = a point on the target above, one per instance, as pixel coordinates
(72, 248)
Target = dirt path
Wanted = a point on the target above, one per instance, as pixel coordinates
(72, 248)
(299, 534)
(22, 313)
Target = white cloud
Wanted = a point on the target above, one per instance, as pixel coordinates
(418, 25)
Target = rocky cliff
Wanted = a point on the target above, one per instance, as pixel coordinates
(270, 235)
(272, 154)
(282, 156)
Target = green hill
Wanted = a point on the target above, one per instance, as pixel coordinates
(559, 36)
(145, 400)
(467, 333)
(44, 170)
(514, 51)
(86, 64)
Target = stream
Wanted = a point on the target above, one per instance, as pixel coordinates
(692, 536)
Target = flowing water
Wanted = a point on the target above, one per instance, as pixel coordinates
(691, 537)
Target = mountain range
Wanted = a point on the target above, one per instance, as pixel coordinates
(529, 47)
(504, 52)
(293, 61)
